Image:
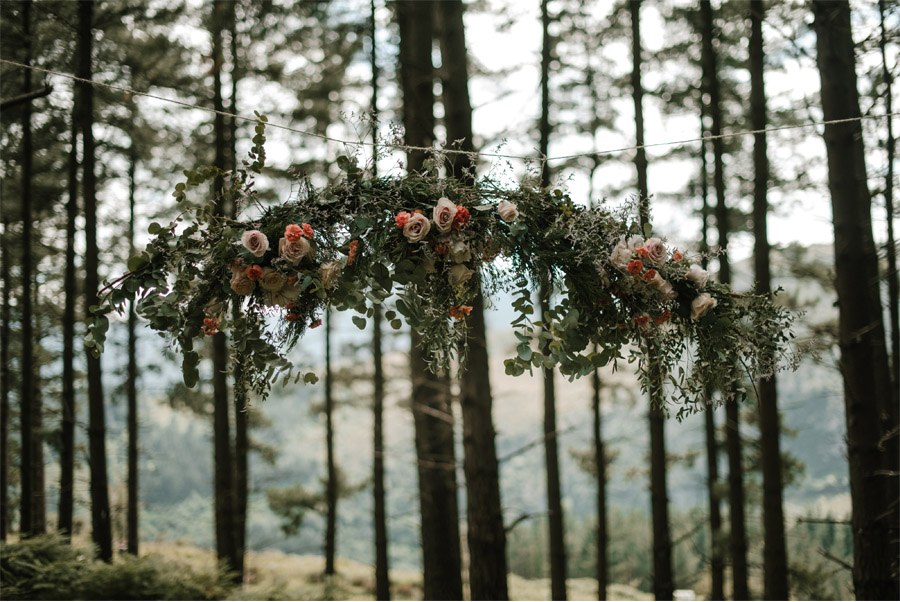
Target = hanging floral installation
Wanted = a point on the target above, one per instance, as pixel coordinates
(426, 245)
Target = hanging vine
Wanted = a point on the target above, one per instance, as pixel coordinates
(429, 243)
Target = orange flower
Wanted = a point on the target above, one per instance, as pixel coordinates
(253, 272)
(640, 251)
(210, 326)
(459, 312)
(461, 218)
(291, 317)
(642, 320)
(401, 218)
(677, 255)
(649, 275)
(635, 266)
(352, 251)
(315, 323)
(441, 248)
(307, 230)
(293, 232)
(663, 317)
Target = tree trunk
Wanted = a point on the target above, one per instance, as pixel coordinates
(737, 533)
(663, 585)
(602, 568)
(331, 492)
(775, 564)
(39, 506)
(5, 319)
(131, 383)
(555, 517)
(432, 413)
(67, 426)
(26, 473)
(863, 361)
(893, 414)
(485, 534)
(716, 560)
(382, 575)
(226, 551)
(100, 515)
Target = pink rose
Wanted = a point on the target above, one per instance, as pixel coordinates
(255, 242)
(701, 305)
(621, 255)
(272, 280)
(293, 251)
(444, 213)
(242, 285)
(417, 227)
(508, 211)
(656, 250)
(663, 286)
(329, 273)
(698, 276)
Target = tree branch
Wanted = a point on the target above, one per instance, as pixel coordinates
(27, 97)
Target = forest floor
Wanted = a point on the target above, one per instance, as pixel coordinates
(275, 575)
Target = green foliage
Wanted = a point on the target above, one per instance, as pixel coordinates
(353, 251)
(48, 568)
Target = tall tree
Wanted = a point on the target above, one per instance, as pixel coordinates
(432, 412)
(863, 361)
(226, 550)
(382, 574)
(775, 566)
(66, 506)
(27, 488)
(555, 518)
(100, 515)
(663, 586)
(485, 534)
(737, 534)
(5, 320)
(331, 485)
(132, 372)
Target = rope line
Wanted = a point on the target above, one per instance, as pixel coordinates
(611, 151)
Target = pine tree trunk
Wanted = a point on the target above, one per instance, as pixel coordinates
(226, 550)
(602, 568)
(100, 515)
(432, 412)
(331, 493)
(5, 319)
(863, 360)
(39, 506)
(737, 533)
(663, 585)
(555, 518)
(775, 564)
(485, 534)
(26, 472)
(131, 382)
(382, 563)
(66, 506)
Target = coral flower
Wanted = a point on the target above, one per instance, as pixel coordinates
(253, 272)
(461, 218)
(663, 317)
(352, 252)
(677, 255)
(459, 312)
(642, 320)
(210, 326)
(293, 232)
(307, 230)
(649, 275)
(292, 317)
(635, 267)
(315, 323)
(401, 218)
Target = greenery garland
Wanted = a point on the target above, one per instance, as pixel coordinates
(431, 242)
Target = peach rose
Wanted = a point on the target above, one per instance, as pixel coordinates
(701, 305)
(698, 276)
(417, 227)
(329, 273)
(284, 297)
(242, 285)
(444, 213)
(459, 275)
(621, 255)
(663, 286)
(656, 250)
(508, 211)
(272, 280)
(460, 252)
(293, 251)
(255, 242)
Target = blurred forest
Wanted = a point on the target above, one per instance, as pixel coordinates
(369, 483)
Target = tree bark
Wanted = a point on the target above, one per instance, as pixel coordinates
(26, 473)
(331, 492)
(663, 585)
(66, 506)
(602, 568)
(432, 412)
(485, 534)
(5, 320)
(555, 517)
(39, 505)
(131, 381)
(382, 562)
(737, 534)
(863, 360)
(226, 550)
(100, 515)
(775, 563)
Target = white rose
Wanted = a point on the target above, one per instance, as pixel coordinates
(698, 276)
(444, 212)
(293, 251)
(460, 252)
(459, 275)
(701, 305)
(255, 242)
(329, 273)
(508, 211)
(656, 250)
(417, 227)
(621, 255)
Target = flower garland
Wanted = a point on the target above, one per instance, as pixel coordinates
(430, 246)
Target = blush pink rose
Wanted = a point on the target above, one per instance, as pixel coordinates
(444, 213)
(417, 227)
(293, 251)
(255, 242)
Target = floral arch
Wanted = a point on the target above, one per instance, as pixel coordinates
(429, 243)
